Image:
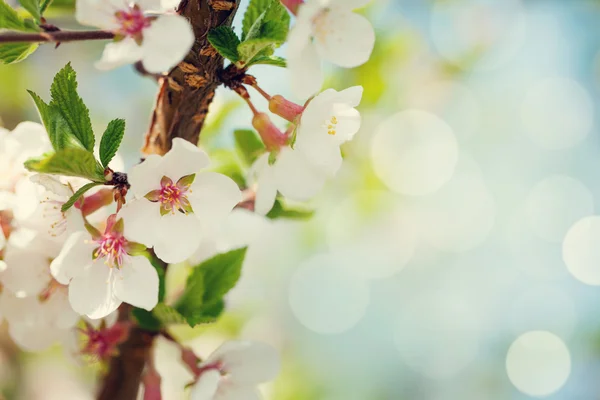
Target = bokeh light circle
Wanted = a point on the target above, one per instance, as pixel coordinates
(581, 250)
(538, 363)
(326, 297)
(557, 113)
(555, 203)
(414, 152)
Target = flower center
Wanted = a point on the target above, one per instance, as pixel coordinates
(321, 28)
(52, 213)
(173, 196)
(132, 21)
(332, 125)
(112, 247)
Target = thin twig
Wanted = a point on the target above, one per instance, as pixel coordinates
(56, 37)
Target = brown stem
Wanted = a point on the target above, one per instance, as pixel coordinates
(56, 37)
(181, 107)
(185, 95)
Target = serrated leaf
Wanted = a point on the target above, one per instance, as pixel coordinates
(69, 162)
(53, 121)
(66, 99)
(248, 144)
(111, 140)
(268, 60)
(46, 3)
(33, 6)
(280, 211)
(10, 19)
(221, 273)
(253, 12)
(73, 199)
(250, 48)
(209, 313)
(225, 41)
(11, 53)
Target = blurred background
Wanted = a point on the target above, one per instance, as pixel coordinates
(456, 255)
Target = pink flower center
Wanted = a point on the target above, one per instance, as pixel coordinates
(112, 248)
(132, 21)
(173, 196)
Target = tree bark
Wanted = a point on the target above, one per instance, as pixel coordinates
(186, 93)
(181, 108)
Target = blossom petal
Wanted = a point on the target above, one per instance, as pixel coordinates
(99, 13)
(350, 96)
(180, 236)
(92, 294)
(60, 311)
(138, 283)
(347, 39)
(266, 190)
(150, 5)
(296, 178)
(247, 362)
(306, 74)
(30, 338)
(230, 390)
(161, 51)
(141, 220)
(27, 272)
(213, 196)
(75, 255)
(207, 386)
(146, 176)
(117, 54)
(183, 159)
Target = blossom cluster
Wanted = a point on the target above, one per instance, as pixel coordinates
(70, 256)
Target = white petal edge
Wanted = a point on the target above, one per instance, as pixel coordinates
(137, 284)
(166, 42)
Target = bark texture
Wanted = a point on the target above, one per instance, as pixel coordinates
(186, 93)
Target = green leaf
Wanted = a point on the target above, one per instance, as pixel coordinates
(70, 162)
(248, 144)
(221, 273)
(168, 315)
(268, 60)
(190, 303)
(227, 163)
(77, 195)
(11, 53)
(53, 121)
(10, 19)
(265, 31)
(45, 4)
(146, 320)
(225, 41)
(71, 106)
(202, 300)
(255, 9)
(111, 140)
(33, 6)
(280, 211)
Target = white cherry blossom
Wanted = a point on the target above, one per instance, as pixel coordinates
(234, 370)
(37, 322)
(300, 171)
(160, 42)
(327, 30)
(105, 270)
(175, 205)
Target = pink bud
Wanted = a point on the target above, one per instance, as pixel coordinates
(95, 201)
(285, 108)
(271, 136)
(292, 5)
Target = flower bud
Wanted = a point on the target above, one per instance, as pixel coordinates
(284, 108)
(292, 5)
(271, 136)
